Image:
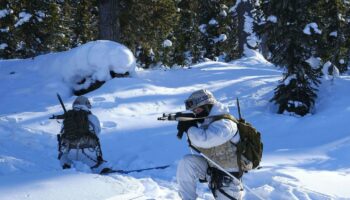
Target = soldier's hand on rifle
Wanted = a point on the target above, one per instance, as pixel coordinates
(183, 126)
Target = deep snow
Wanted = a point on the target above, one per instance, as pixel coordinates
(304, 157)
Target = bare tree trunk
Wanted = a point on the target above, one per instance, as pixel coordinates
(109, 24)
(243, 8)
(263, 46)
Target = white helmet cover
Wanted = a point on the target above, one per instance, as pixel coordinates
(199, 98)
(82, 100)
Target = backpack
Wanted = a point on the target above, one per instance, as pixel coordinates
(250, 145)
(75, 125)
(77, 135)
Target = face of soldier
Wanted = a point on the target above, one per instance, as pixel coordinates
(198, 110)
(201, 111)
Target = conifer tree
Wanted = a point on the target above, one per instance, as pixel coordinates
(291, 48)
(85, 21)
(331, 16)
(347, 30)
(245, 19)
(145, 25)
(7, 19)
(32, 28)
(186, 34)
(216, 26)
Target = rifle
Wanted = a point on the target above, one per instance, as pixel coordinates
(59, 117)
(64, 109)
(179, 116)
(239, 109)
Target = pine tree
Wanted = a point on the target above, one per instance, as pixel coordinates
(85, 24)
(32, 28)
(331, 16)
(216, 26)
(145, 25)
(188, 50)
(53, 26)
(246, 38)
(7, 19)
(347, 31)
(78, 23)
(291, 47)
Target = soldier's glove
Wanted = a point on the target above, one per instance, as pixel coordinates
(183, 126)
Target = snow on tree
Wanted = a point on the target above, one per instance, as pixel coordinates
(290, 47)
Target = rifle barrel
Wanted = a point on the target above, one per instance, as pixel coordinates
(239, 109)
(59, 98)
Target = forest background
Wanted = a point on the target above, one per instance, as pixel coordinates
(308, 39)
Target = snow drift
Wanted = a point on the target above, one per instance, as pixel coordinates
(304, 158)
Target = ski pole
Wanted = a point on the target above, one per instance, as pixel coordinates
(226, 172)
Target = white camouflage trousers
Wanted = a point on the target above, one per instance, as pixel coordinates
(193, 168)
(87, 157)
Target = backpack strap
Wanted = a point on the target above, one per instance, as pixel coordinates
(238, 151)
(224, 116)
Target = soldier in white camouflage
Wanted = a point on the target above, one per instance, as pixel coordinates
(86, 148)
(216, 139)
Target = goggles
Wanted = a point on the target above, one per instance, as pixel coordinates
(193, 103)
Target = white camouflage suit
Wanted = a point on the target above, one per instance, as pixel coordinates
(194, 167)
(89, 157)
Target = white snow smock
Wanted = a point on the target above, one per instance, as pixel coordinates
(217, 139)
(87, 156)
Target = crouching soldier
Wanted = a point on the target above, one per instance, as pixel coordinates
(78, 140)
(215, 137)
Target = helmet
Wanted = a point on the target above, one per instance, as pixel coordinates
(199, 98)
(81, 100)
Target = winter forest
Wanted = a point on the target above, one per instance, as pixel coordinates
(306, 38)
(288, 62)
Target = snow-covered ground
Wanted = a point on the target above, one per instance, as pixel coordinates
(304, 158)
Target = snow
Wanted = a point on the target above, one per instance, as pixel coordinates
(314, 26)
(203, 28)
(304, 157)
(220, 38)
(4, 29)
(40, 14)
(4, 12)
(23, 18)
(234, 8)
(3, 46)
(272, 19)
(252, 39)
(334, 34)
(167, 43)
(213, 22)
(289, 79)
(223, 13)
(314, 62)
(326, 67)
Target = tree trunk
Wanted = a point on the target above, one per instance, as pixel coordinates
(242, 8)
(109, 24)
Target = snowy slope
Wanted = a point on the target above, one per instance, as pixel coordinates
(304, 158)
